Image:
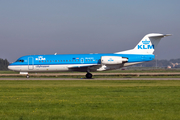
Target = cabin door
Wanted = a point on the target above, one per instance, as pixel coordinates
(82, 60)
(30, 63)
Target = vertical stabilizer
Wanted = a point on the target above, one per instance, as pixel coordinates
(147, 45)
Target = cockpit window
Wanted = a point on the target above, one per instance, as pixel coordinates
(20, 61)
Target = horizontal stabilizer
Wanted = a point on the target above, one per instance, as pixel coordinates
(160, 35)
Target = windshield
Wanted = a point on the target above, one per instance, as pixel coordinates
(20, 60)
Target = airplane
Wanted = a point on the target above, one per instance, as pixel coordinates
(143, 52)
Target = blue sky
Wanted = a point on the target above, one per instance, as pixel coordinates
(86, 26)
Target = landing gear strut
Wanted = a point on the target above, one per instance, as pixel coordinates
(88, 75)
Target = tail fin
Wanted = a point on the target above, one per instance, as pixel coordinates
(147, 45)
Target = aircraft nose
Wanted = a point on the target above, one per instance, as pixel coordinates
(10, 67)
(14, 67)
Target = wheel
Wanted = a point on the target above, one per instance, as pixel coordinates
(27, 76)
(88, 75)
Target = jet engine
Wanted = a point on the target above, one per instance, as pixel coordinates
(110, 60)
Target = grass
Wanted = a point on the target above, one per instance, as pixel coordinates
(145, 70)
(8, 72)
(89, 100)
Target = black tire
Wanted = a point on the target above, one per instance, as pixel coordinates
(88, 75)
(27, 76)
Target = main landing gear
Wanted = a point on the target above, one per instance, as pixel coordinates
(88, 75)
(27, 76)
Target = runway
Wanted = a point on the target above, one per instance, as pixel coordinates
(90, 79)
(95, 74)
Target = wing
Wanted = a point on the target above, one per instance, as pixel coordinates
(83, 67)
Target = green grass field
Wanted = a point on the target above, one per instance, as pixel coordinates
(89, 100)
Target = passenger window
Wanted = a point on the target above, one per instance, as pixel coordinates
(58, 60)
(42, 61)
(47, 60)
(69, 60)
(39, 61)
(66, 60)
(50, 60)
(63, 60)
(55, 60)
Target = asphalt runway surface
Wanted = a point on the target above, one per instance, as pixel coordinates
(90, 79)
(107, 74)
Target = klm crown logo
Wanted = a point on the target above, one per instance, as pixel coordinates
(146, 45)
(145, 42)
(40, 58)
(110, 60)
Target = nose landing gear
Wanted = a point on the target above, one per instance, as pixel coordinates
(88, 75)
(27, 76)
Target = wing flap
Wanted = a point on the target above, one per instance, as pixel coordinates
(81, 66)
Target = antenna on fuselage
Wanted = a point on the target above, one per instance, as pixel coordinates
(55, 53)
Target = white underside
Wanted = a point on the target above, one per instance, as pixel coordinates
(49, 68)
(39, 68)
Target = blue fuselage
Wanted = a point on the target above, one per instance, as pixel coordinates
(74, 62)
(76, 59)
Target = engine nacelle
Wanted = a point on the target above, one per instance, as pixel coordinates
(113, 60)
